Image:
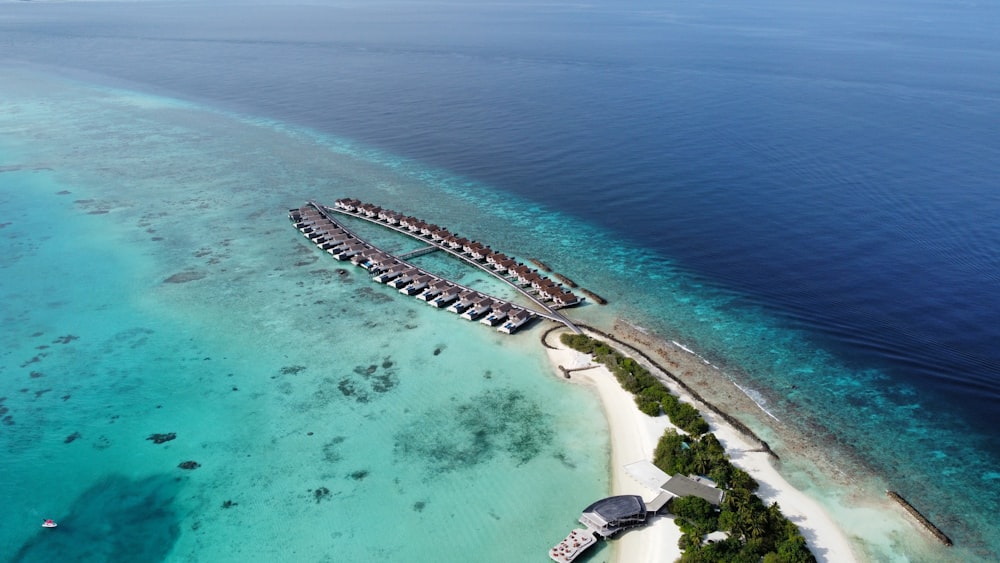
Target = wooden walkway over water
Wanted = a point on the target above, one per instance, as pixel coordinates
(544, 309)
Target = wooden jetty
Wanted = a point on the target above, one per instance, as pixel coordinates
(319, 224)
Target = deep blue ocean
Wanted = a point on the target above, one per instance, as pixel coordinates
(830, 166)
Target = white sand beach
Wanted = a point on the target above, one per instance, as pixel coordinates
(634, 437)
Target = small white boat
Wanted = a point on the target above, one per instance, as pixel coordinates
(49, 524)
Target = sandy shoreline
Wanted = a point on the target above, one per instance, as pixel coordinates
(634, 437)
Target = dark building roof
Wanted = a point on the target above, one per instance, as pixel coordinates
(682, 486)
(622, 507)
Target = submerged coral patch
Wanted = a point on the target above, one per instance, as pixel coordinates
(321, 494)
(161, 438)
(184, 277)
(146, 506)
(331, 450)
(497, 422)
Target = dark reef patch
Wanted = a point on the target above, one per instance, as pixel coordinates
(372, 294)
(496, 422)
(184, 277)
(419, 506)
(83, 535)
(102, 443)
(189, 465)
(383, 383)
(292, 370)
(321, 494)
(229, 504)
(371, 381)
(350, 388)
(33, 360)
(331, 450)
(161, 438)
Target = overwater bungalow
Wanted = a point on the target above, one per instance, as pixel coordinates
(464, 300)
(479, 252)
(478, 308)
(404, 278)
(447, 296)
(418, 284)
(515, 320)
(563, 298)
(531, 279)
(334, 244)
(498, 260)
(410, 223)
(347, 204)
(524, 275)
(439, 235)
(504, 266)
(319, 224)
(381, 262)
(349, 250)
(498, 313)
(390, 217)
(372, 260)
(434, 289)
(392, 273)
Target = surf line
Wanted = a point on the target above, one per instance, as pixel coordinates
(759, 406)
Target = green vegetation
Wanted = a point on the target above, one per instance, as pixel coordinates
(757, 533)
(651, 396)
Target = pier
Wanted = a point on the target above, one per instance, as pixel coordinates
(320, 225)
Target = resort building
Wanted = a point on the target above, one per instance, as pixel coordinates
(654, 478)
(319, 224)
(611, 515)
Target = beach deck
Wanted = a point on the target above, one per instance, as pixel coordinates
(320, 224)
(575, 543)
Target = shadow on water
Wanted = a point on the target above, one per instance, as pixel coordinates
(117, 519)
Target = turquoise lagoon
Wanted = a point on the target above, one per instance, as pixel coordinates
(154, 285)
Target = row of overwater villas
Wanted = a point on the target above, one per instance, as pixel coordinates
(545, 288)
(408, 280)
